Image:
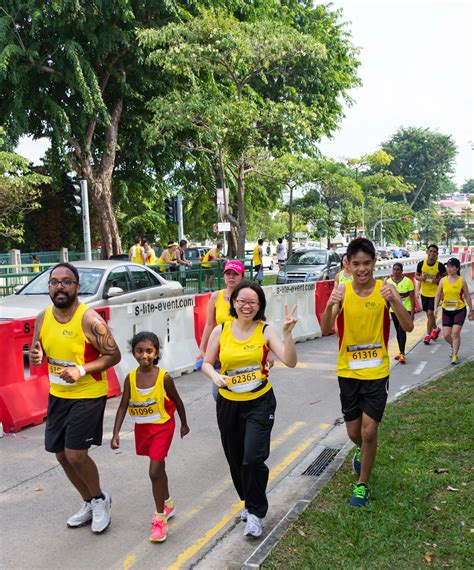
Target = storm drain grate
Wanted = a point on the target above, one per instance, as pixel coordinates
(322, 461)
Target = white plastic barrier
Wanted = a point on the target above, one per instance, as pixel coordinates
(302, 294)
(171, 319)
(466, 272)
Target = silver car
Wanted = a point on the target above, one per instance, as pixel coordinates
(309, 265)
(102, 283)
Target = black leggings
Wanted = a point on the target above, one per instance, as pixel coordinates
(401, 334)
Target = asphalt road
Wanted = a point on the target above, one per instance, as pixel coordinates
(36, 498)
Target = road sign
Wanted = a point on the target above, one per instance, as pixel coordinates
(223, 226)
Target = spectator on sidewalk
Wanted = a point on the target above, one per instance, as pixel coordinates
(281, 253)
(136, 253)
(167, 259)
(258, 261)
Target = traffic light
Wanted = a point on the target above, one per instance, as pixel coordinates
(171, 213)
(76, 201)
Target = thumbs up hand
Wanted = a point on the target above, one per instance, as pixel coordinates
(36, 354)
(388, 291)
(337, 295)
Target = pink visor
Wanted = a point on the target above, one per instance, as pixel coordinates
(234, 265)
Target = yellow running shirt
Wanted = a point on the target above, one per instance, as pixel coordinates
(403, 287)
(67, 345)
(151, 258)
(136, 254)
(147, 406)
(210, 255)
(344, 279)
(431, 272)
(363, 329)
(257, 260)
(453, 295)
(222, 308)
(245, 361)
(161, 261)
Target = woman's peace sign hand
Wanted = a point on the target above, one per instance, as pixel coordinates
(290, 319)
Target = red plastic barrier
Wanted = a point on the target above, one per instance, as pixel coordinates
(201, 302)
(24, 399)
(322, 294)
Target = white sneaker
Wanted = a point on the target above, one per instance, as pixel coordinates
(243, 515)
(101, 513)
(253, 526)
(82, 517)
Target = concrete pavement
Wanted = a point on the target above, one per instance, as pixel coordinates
(37, 500)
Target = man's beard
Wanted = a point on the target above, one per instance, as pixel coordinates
(64, 303)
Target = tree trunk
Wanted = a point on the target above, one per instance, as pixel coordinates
(111, 242)
(241, 211)
(290, 224)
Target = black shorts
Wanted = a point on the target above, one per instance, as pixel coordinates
(451, 318)
(357, 396)
(427, 303)
(74, 423)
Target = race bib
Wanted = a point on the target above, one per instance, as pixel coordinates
(361, 356)
(144, 412)
(245, 380)
(429, 277)
(54, 369)
(450, 305)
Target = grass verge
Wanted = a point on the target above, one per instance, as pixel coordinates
(421, 508)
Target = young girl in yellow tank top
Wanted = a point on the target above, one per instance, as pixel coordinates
(344, 275)
(150, 397)
(246, 403)
(454, 293)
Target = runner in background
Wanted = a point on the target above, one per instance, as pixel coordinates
(281, 253)
(79, 347)
(214, 254)
(136, 253)
(36, 263)
(406, 290)
(150, 396)
(428, 274)
(167, 258)
(363, 367)
(258, 262)
(344, 275)
(454, 292)
(246, 403)
(150, 255)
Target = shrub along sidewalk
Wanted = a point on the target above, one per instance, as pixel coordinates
(421, 508)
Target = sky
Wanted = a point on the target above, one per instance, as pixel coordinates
(417, 71)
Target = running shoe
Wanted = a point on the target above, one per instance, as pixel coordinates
(243, 515)
(427, 339)
(159, 529)
(397, 357)
(356, 461)
(101, 513)
(169, 509)
(253, 526)
(435, 333)
(360, 495)
(402, 359)
(82, 517)
(454, 359)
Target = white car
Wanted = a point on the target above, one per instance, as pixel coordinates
(102, 283)
(268, 262)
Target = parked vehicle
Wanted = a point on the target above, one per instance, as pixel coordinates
(309, 265)
(383, 253)
(196, 254)
(102, 283)
(267, 260)
(396, 251)
(341, 250)
(405, 252)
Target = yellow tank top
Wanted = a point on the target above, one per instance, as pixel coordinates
(171, 257)
(245, 362)
(428, 288)
(257, 260)
(222, 308)
(453, 295)
(148, 406)
(212, 255)
(36, 267)
(67, 345)
(136, 254)
(344, 279)
(403, 287)
(363, 329)
(151, 258)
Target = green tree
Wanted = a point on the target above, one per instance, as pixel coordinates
(74, 72)
(20, 189)
(468, 186)
(424, 159)
(225, 105)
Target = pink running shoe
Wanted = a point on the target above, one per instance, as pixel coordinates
(159, 528)
(435, 333)
(169, 511)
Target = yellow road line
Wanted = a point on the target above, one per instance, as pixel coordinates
(129, 561)
(291, 430)
(412, 338)
(189, 552)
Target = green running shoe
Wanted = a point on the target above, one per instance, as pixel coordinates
(356, 461)
(360, 495)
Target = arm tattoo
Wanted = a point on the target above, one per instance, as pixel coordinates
(104, 340)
